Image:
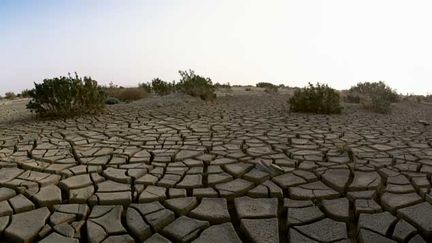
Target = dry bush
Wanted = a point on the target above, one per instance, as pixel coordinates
(67, 97)
(10, 95)
(160, 87)
(126, 94)
(375, 96)
(196, 85)
(320, 99)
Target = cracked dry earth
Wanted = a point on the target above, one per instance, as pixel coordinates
(240, 170)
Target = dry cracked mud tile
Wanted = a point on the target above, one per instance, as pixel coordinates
(182, 205)
(260, 230)
(364, 181)
(234, 188)
(219, 233)
(366, 236)
(247, 207)
(103, 222)
(419, 215)
(314, 190)
(325, 230)
(303, 215)
(184, 229)
(337, 209)
(214, 210)
(378, 222)
(336, 178)
(403, 230)
(394, 201)
(24, 227)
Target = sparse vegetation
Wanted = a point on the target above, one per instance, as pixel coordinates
(25, 93)
(66, 97)
(268, 87)
(418, 98)
(196, 85)
(10, 95)
(320, 99)
(146, 86)
(263, 85)
(126, 94)
(223, 86)
(112, 101)
(161, 87)
(271, 89)
(375, 96)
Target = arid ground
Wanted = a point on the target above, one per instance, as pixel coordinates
(241, 169)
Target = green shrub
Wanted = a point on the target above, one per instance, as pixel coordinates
(376, 96)
(146, 86)
(320, 99)
(196, 86)
(126, 94)
(271, 89)
(264, 85)
(349, 98)
(161, 87)
(10, 95)
(268, 87)
(112, 101)
(67, 97)
(25, 93)
(222, 86)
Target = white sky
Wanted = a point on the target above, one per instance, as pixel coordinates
(339, 42)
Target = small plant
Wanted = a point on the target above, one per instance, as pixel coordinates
(263, 85)
(25, 93)
(126, 94)
(195, 85)
(223, 86)
(320, 99)
(271, 89)
(349, 98)
(10, 95)
(146, 86)
(112, 101)
(161, 87)
(268, 87)
(67, 97)
(376, 96)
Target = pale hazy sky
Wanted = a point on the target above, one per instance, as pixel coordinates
(338, 42)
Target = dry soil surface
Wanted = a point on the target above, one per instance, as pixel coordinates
(241, 169)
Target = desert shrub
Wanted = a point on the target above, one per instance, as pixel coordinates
(112, 101)
(161, 87)
(271, 89)
(268, 87)
(66, 97)
(263, 85)
(349, 98)
(222, 86)
(428, 99)
(10, 95)
(375, 96)
(25, 93)
(146, 86)
(320, 99)
(196, 85)
(248, 89)
(126, 94)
